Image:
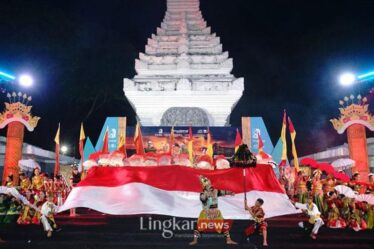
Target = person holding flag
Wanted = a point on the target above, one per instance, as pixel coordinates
(258, 215)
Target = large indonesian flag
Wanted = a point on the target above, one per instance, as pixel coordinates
(175, 191)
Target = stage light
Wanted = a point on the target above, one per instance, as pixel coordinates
(8, 76)
(347, 79)
(25, 80)
(64, 149)
(366, 75)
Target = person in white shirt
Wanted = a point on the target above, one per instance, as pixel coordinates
(314, 214)
(47, 211)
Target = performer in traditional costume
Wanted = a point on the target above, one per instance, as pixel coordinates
(302, 190)
(27, 212)
(283, 179)
(48, 185)
(334, 220)
(345, 210)
(9, 181)
(314, 214)
(329, 184)
(58, 189)
(259, 222)
(370, 188)
(357, 222)
(47, 215)
(38, 202)
(210, 212)
(370, 216)
(75, 178)
(25, 183)
(4, 205)
(358, 188)
(317, 190)
(37, 183)
(13, 211)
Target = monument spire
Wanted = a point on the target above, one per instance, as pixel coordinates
(183, 77)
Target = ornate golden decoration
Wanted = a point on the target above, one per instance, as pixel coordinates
(18, 110)
(355, 113)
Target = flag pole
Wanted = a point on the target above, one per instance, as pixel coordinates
(244, 184)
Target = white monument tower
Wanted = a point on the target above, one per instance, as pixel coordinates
(184, 78)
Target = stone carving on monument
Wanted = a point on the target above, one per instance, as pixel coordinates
(183, 66)
(185, 116)
(354, 117)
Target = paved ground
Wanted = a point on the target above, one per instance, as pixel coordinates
(95, 231)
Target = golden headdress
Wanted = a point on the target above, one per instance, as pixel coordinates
(204, 181)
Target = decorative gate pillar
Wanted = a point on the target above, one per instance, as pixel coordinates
(354, 118)
(17, 116)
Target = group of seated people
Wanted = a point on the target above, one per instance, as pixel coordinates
(35, 189)
(342, 204)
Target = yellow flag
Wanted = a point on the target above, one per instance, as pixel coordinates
(293, 137)
(209, 146)
(190, 145)
(82, 135)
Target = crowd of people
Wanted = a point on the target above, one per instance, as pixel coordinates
(42, 193)
(337, 204)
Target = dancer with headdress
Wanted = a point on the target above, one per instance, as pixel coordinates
(211, 213)
(25, 183)
(317, 190)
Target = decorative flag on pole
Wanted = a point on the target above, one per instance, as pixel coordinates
(105, 148)
(284, 141)
(260, 144)
(261, 151)
(172, 138)
(122, 144)
(82, 137)
(190, 144)
(238, 140)
(209, 147)
(293, 136)
(57, 151)
(138, 140)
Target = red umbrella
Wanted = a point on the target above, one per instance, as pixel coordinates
(309, 161)
(327, 168)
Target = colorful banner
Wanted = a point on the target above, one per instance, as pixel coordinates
(157, 139)
(258, 127)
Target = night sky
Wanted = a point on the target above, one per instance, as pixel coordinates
(289, 52)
